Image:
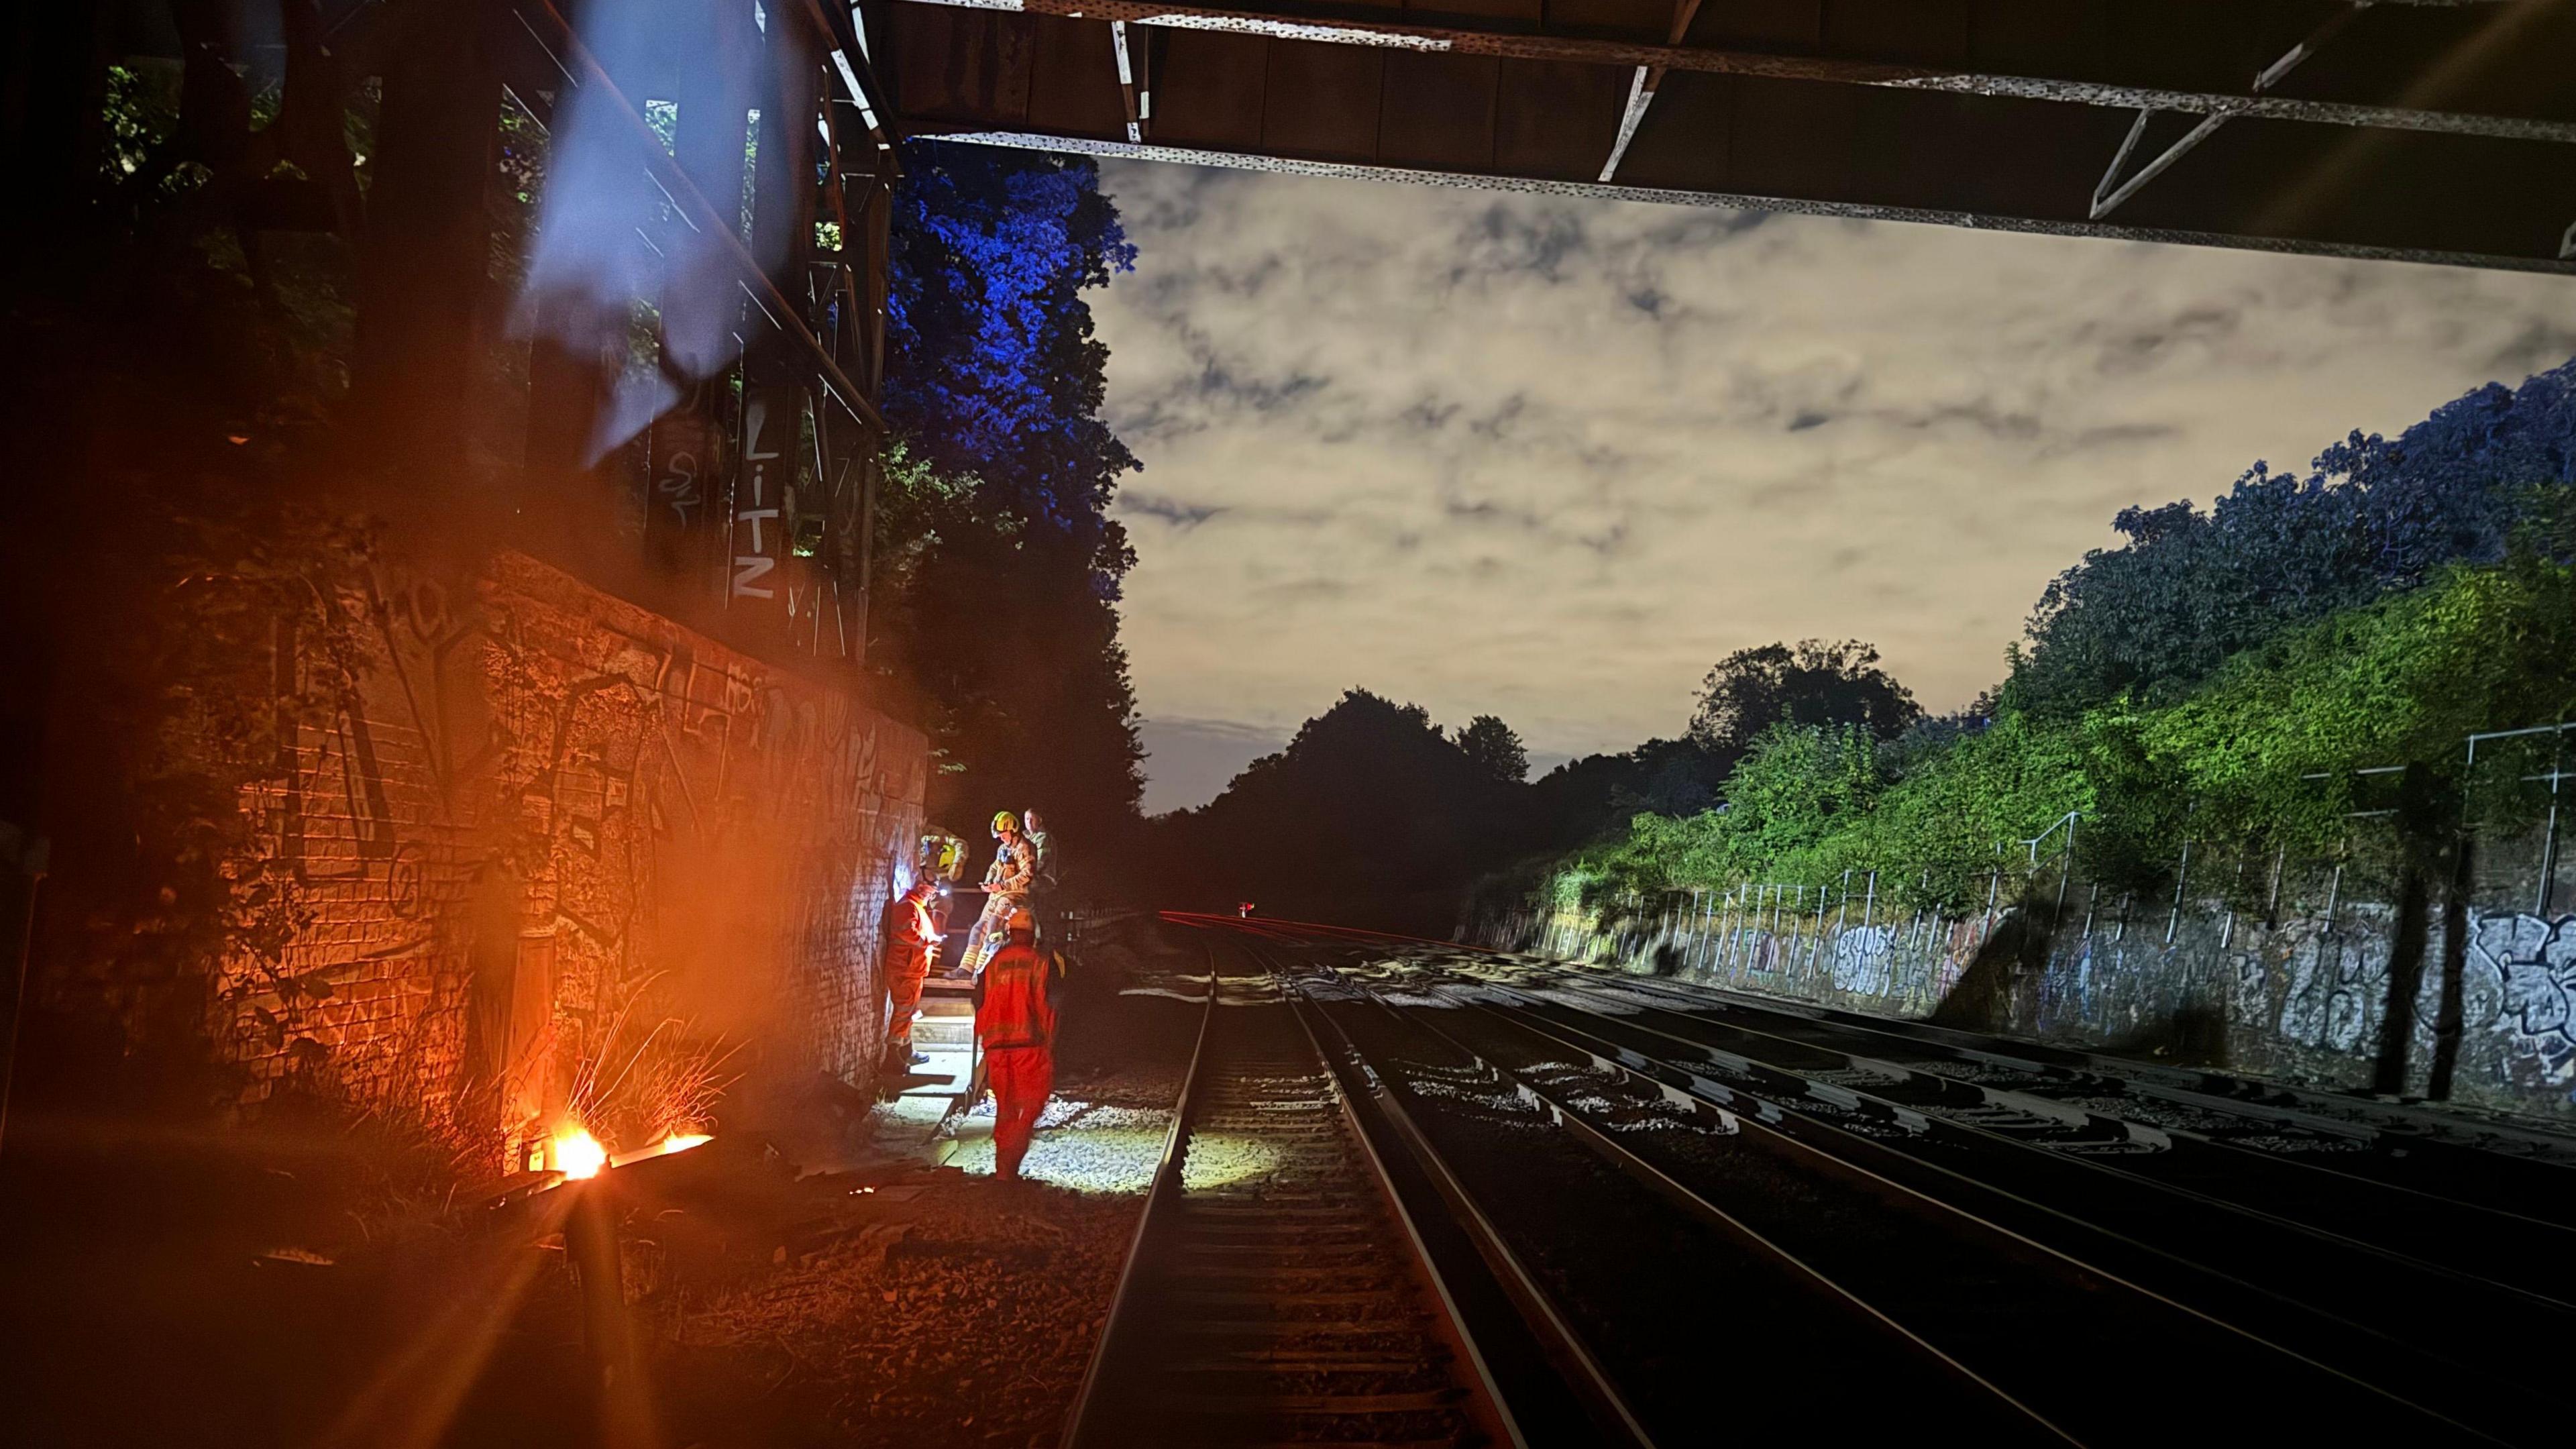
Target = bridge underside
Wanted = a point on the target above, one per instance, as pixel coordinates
(2441, 132)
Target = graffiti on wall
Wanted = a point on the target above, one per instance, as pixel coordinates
(2522, 982)
(2338, 984)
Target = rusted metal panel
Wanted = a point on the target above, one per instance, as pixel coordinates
(1793, 136)
(1915, 151)
(1555, 120)
(1791, 25)
(1531, 13)
(1209, 88)
(1439, 111)
(1926, 32)
(2186, 44)
(1321, 101)
(964, 64)
(1688, 139)
(1639, 20)
(2039, 37)
(2020, 151)
(1073, 78)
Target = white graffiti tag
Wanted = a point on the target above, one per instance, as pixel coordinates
(2535, 960)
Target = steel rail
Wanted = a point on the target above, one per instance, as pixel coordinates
(1547, 1321)
(2120, 1085)
(1767, 1116)
(2341, 1239)
(2414, 1126)
(1080, 1428)
(1122, 1363)
(1351, 25)
(1452, 1322)
(1724, 1222)
(1772, 1111)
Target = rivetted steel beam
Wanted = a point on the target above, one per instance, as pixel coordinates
(1742, 201)
(1641, 89)
(2112, 191)
(1349, 27)
(1127, 84)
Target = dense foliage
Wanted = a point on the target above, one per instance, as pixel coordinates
(1003, 564)
(1813, 683)
(2373, 516)
(1494, 748)
(1370, 813)
(2251, 676)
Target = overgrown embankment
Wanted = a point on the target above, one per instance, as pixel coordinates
(2279, 780)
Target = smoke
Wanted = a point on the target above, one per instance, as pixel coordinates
(614, 245)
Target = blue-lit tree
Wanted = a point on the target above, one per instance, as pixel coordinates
(996, 372)
(1005, 615)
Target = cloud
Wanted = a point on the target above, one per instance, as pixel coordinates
(1188, 762)
(1548, 458)
(1134, 502)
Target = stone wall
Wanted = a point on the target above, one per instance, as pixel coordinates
(550, 844)
(2300, 993)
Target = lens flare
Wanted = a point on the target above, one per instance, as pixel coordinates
(577, 1154)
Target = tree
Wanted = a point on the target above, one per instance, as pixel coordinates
(1493, 747)
(1004, 599)
(2188, 589)
(1813, 683)
(996, 371)
(1371, 813)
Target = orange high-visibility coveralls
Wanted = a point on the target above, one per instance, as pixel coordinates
(910, 928)
(1017, 1023)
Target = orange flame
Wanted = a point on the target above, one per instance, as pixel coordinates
(577, 1154)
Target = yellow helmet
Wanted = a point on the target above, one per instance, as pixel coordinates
(1005, 820)
(942, 855)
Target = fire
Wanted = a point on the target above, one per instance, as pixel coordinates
(676, 1142)
(577, 1154)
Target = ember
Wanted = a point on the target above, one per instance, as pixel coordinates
(676, 1142)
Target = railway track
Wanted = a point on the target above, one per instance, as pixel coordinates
(2180, 1274)
(1280, 1289)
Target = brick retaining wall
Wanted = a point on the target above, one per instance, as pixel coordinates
(544, 807)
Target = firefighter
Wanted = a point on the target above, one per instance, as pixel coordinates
(910, 929)
(1041, 868)
(1016, 1022)
(1006, 889)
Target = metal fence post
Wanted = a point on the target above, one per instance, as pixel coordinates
(2182, 875)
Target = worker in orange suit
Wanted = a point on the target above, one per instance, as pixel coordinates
(1016, 1022)
(910, 931)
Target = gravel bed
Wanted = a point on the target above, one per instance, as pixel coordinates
(967, 1322)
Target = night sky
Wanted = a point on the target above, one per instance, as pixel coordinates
(1550, 459)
